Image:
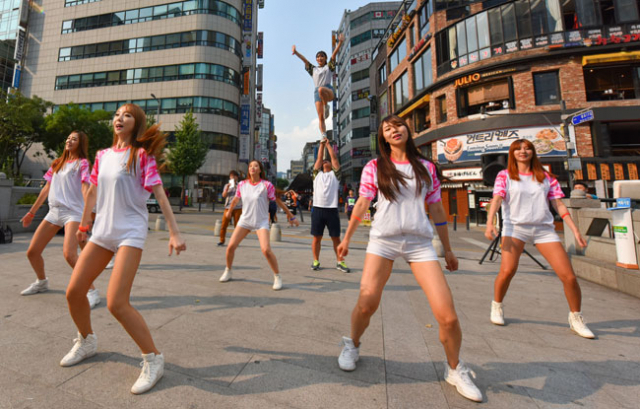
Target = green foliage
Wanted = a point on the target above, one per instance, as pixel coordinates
(72, 117)
(21, 125)
(27, 199)
(282, 183)
(188, 153)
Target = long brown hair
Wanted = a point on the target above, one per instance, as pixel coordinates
(151, 140)
(82, 151)
(536, 166)
(390, 178)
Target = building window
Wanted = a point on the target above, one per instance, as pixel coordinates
(185, 8)
(382, 74)
(612, 83)
(360, 75)
(423, 19)
(159, 42)
(398, 55)
(421, 119)
(360, 94)
(422, 71)
(546, 87)
(491, 96)
(401, 90)
(360, 38)
(441, 109)
(360, 113)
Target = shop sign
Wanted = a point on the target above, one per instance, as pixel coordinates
(557, 38)
(542, 41)
(463, 61)
(605, 172)
(246, 49)
(463, 174)
(617, 39)
(360, 153)
(511, 46)
(475, 77)
(259, 107)
(633, 171)
(592, 174)
(259, 77)
(16, 76)
(618, 171)
(246, 84)
(360, 57)
(526, 43)
(468, 79)
(243, 142)
(419, 45)
(406, 19)
(19, 50)
(470, 147)
(247, 11)
(260, 45)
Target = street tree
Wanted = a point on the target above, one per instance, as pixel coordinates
(188, 153)
(72, 117)
(282, 183)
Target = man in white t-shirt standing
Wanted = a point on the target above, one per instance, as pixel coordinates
(326, 185)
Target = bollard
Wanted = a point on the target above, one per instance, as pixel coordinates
(161, 225)
(217, 227)
(468, 222)
(455, 222)
(276, 233)
(437, 245)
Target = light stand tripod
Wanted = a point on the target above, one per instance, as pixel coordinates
(494, 247)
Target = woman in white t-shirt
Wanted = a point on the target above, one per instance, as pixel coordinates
(123, 178)
(524, 191)
(256, 192)
(404, 182)
(67, 181)
(322, 76)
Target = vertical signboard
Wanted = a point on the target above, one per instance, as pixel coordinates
(259, 78)
(247, 30)
(20, 40)
(245, 129)
(258, 109)
(16, 76)
(260, 44)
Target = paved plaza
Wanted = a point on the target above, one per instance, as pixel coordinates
(242, 345)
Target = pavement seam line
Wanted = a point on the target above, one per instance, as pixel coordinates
(242, 369)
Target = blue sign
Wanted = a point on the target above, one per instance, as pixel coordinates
(245, 118)
(623, 203)
(583, 117)
(247, 11)
(16, 76)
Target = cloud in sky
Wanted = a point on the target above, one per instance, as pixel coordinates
(291, 141)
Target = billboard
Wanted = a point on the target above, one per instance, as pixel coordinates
(20, 40)
(245, 119)
(247, 12)
(259, 78)
(470, 147)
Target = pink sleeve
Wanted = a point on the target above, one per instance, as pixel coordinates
(49, 175)
(93, 179)
(271, 190)
(85, 171)
(500, 185)
(149, 175)
(434, 195)
(238, 188)
(368, 180)
(554, 188)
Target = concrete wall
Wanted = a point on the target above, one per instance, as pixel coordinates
(11, 213)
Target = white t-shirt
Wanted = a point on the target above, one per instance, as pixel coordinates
(405, 215)
(325, 189)
(322, 75)
(255, 201)
(121, 207)
(231, 193)
(526, 202)
(65, 186)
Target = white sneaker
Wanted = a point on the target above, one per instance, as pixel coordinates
(38, 286)
(94, 298)
(277, 282)
(84, 348)
(497, 315)
(349, 356)
(111, 263)
(577, 324)
(152, 370)
(226, 276)
(461, 379)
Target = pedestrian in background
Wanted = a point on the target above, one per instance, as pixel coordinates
(229, 193)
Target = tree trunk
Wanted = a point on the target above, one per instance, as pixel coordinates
(182, 194)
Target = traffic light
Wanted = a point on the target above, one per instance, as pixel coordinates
(492, 164)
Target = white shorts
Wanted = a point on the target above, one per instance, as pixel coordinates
(251, 227)
(114, 244)
(60, 216)
(413, 249)
(531, 233)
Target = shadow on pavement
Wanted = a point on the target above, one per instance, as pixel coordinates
(207, 304)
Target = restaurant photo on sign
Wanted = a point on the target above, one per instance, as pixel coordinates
(470, 147)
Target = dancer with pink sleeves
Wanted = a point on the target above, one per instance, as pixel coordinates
(255, 192)
(524, 191)
(123, 178)
(405, 181)
(67, 182)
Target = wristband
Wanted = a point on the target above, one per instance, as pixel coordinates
(441, 224)
(357, 218)
(83, 229)
(565, 215)
(30, 214)
(292, 218)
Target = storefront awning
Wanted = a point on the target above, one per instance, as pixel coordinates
(611, 57)
(415, 105)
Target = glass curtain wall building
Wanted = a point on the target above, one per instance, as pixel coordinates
(167, 57)
(9, 21)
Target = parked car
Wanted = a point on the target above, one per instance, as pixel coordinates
(152, 205)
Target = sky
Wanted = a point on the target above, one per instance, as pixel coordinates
(287, 87)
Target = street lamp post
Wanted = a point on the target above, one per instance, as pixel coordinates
(158, 108)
